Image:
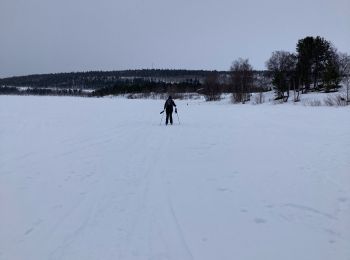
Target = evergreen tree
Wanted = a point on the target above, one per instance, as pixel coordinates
(317, 63)
(331, 74)
(305, 56)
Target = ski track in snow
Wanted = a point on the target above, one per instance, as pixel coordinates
(101, 179)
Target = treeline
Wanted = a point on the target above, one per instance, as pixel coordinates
(315, 66)
(143, 86)
(213, 84)
(120, 82)
(42, 91)
(99, 79)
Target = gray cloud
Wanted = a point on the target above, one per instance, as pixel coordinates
(41, 36)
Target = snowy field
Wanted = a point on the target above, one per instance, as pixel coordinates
(101, 179)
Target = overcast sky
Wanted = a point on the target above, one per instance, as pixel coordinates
(44, 36)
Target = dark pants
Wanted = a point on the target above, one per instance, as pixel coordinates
(169, 115)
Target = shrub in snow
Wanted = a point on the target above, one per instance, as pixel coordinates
(338, 100)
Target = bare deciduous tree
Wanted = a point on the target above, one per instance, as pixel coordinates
(242, 80)
(344, 69)
(211, 89)
(282, 66)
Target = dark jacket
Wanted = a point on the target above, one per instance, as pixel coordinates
(169, 104)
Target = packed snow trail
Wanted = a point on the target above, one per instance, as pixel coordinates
(101, 179)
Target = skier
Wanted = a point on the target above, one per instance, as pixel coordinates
(168, 107)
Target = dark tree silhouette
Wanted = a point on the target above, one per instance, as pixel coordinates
(211, 87)
(242, 78)
(282, 66)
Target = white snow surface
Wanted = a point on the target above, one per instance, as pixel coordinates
(102, 179)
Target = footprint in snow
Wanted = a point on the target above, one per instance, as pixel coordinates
(222, 189)
(259, 221)
(28, 231)
(343, 199)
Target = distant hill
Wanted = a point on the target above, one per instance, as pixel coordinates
(99, 79)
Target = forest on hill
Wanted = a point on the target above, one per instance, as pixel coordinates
(98, 79)
(316, 66)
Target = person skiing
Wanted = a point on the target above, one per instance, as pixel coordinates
(168, 107)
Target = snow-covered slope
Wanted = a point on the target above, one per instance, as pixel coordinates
(101, 179)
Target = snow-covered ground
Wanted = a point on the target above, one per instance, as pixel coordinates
(101, 179)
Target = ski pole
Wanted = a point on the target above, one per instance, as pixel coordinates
(162, 117)
(178, 117)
